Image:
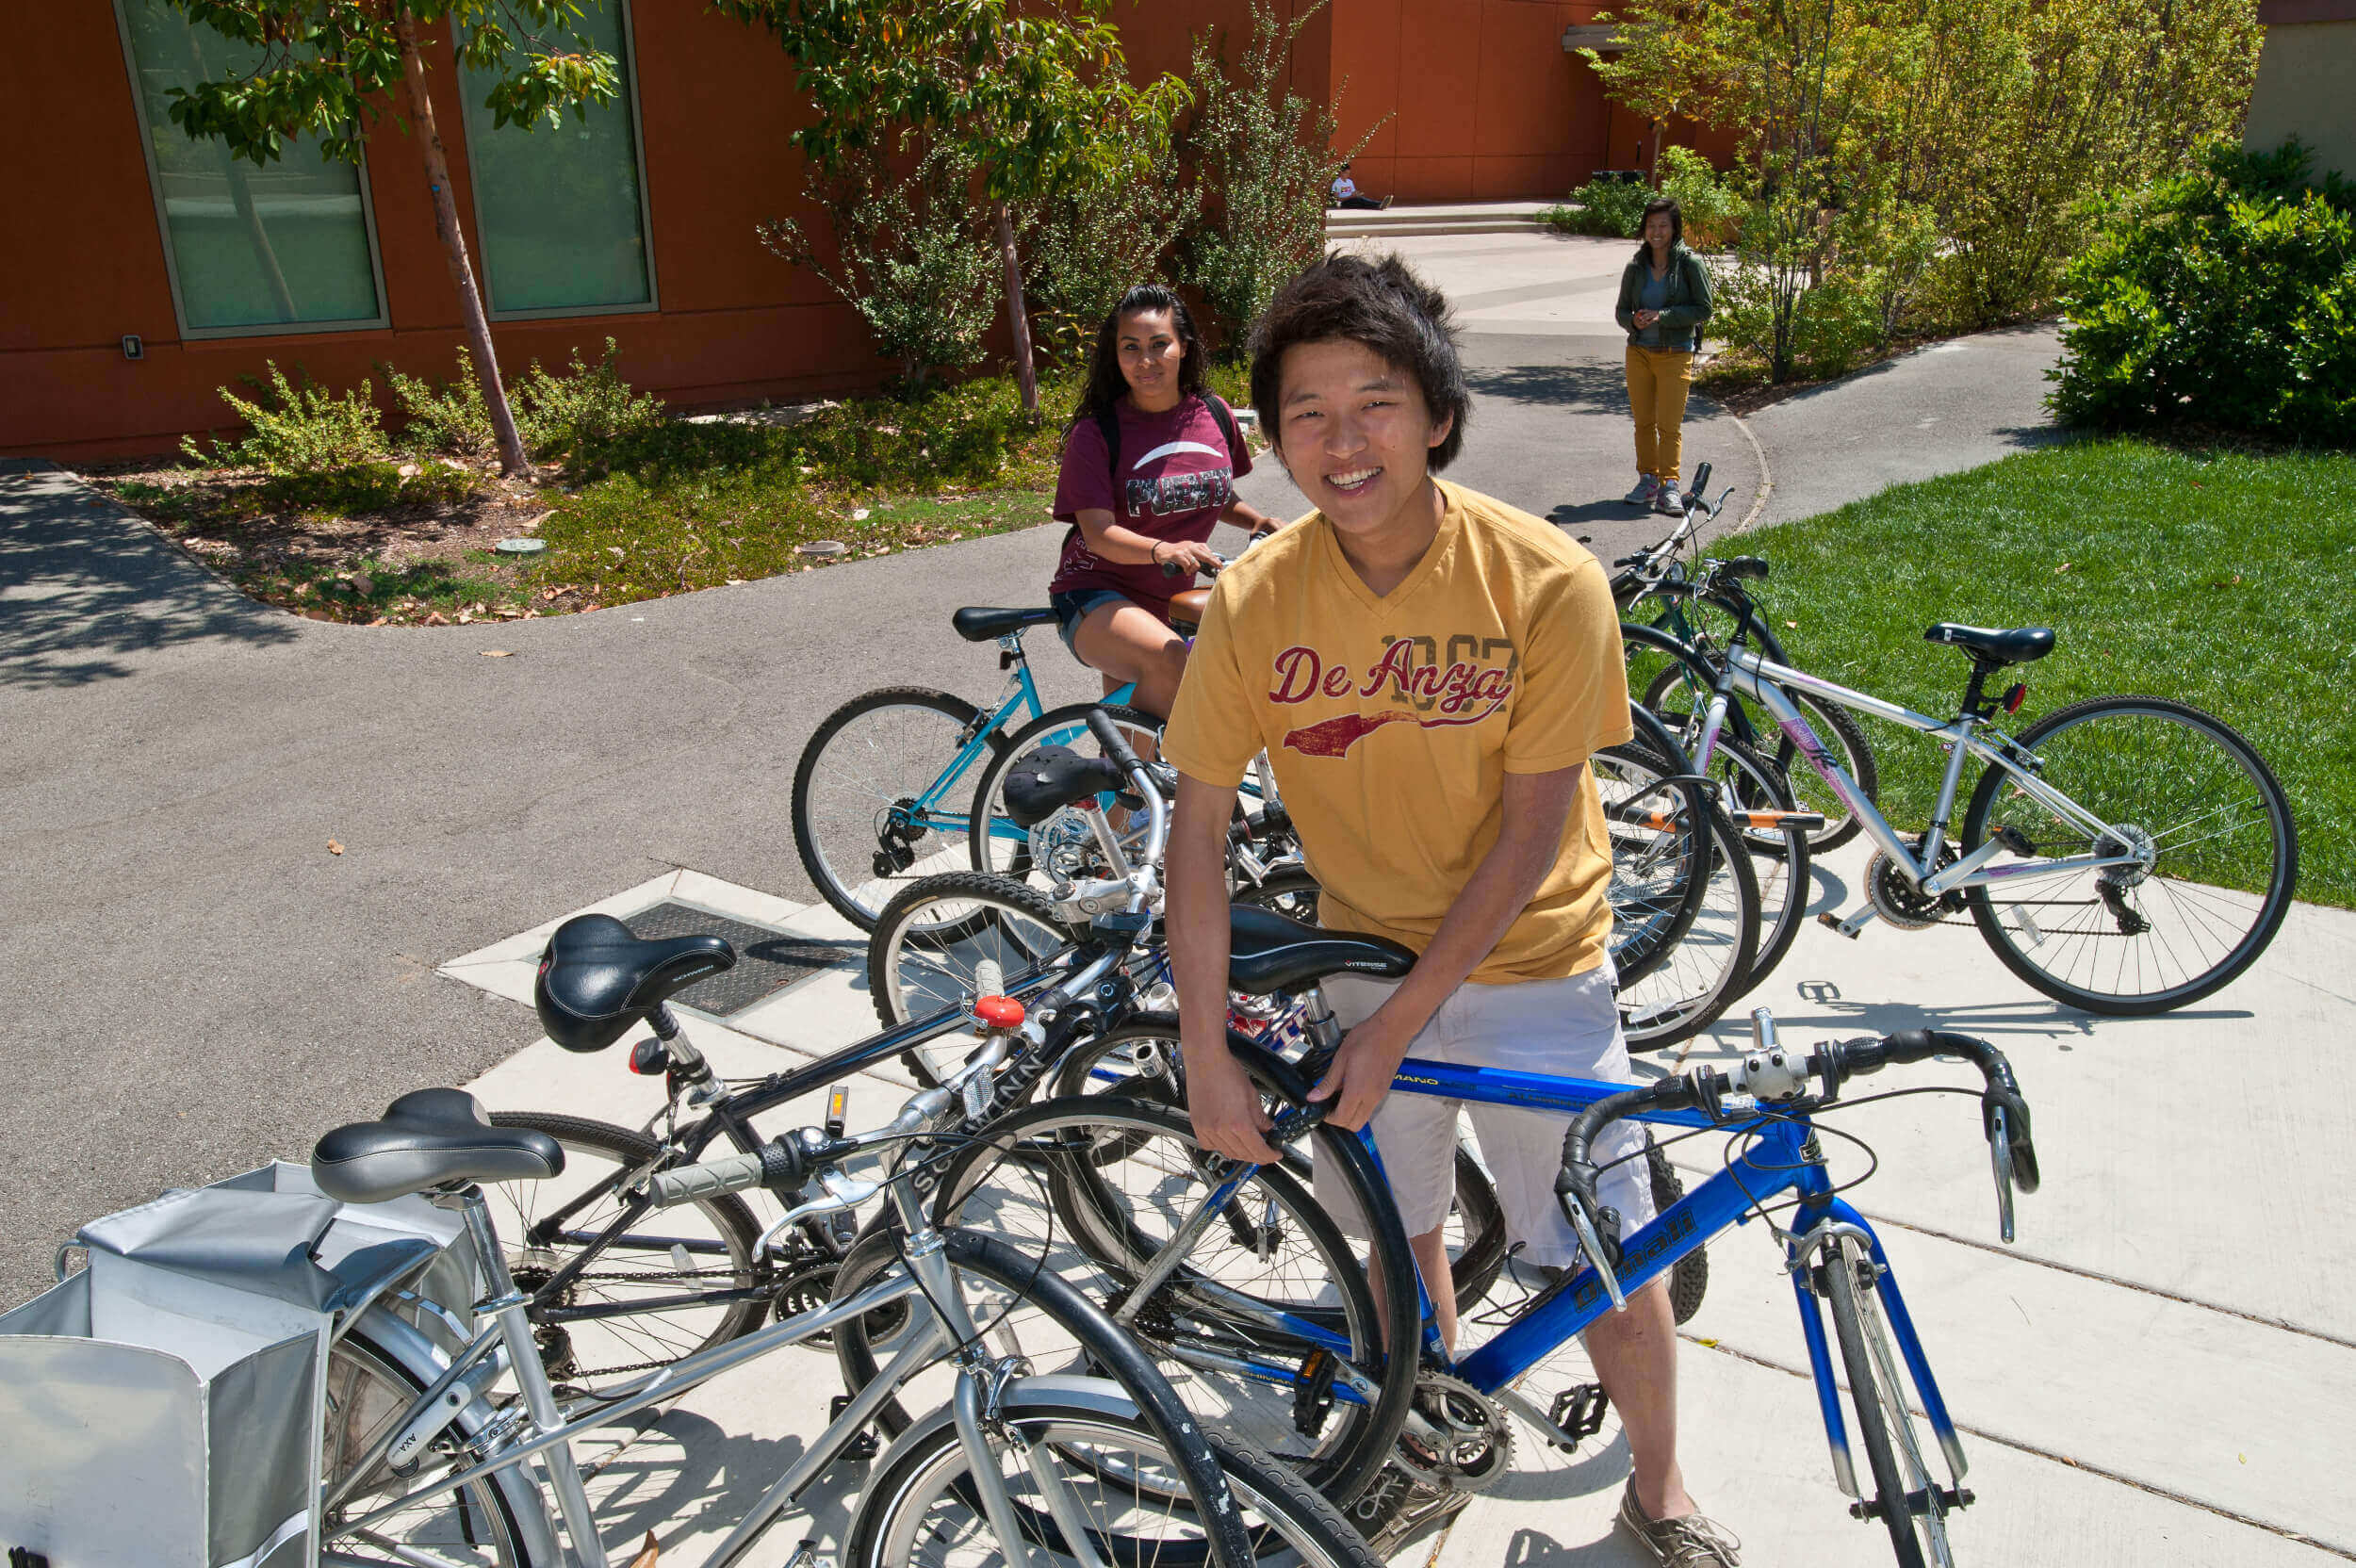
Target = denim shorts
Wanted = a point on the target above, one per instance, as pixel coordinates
(1071, 609)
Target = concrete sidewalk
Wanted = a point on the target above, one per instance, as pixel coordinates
(2155, 1372)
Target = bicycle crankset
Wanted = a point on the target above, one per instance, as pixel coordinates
(1456, 1437)
(1899, 901)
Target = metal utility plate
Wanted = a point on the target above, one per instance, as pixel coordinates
(767, 960)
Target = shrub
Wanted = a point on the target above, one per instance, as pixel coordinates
(1268, 153)
(300, 430)
(1608, 207)
(1086, 250)
(2219, 297)
(584, 414)
(447, 417)
(908, 256)
(1712, 209)
(1828, 328)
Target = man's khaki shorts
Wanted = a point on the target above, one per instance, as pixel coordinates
(1567, 1028)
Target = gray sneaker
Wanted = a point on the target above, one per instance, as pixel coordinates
(1668, 501)
(1420, 1505)
(1642, 496)
(1689, 1540)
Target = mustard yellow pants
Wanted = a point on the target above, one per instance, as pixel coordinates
(1658, 381)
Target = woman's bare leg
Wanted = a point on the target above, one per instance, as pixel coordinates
(1127, 643)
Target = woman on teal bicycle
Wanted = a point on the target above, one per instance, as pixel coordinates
(1148, 469)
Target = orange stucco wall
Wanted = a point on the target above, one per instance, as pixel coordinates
(1475, 99)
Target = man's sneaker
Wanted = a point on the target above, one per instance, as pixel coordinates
(1642, 496)
(1687, 1542)
(1667, 501)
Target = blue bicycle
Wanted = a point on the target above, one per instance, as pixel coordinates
(885, 790)
(1186, 1250)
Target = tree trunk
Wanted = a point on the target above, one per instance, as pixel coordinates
(1652, 175)
(1025, 373)
(486, 365)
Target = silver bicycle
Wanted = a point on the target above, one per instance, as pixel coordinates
(2123, 855)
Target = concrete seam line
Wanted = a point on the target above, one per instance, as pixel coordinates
(2018, 1445)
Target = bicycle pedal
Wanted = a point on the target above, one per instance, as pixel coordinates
(863, 1446)
(1313, 1393)
(1832, 923)
(2016, 840)
(1577, 1414)
(808, 1556)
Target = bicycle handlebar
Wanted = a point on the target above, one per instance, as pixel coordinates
(1772, 1075)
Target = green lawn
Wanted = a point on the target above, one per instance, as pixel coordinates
(2221, 579)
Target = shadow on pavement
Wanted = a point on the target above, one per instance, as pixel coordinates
(83, 585)
(1592, 387)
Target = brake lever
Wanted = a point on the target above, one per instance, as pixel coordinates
(2000, 1157)
(1592, 1246)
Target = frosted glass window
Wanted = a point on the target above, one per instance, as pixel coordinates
(560, 207)
(253, 247)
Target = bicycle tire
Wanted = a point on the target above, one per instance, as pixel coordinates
(1478, 1254)
(1101, 1238)
(987, 841)
(1710, 967)
(1780, 860)
(839, 841)
(643, 1341)
(1289, 890)
(1287, 1522)
(1875, 1407)
(928, 943)
(1689, 1277)
(2152, 760)
(498, 1500)
(1657, 881)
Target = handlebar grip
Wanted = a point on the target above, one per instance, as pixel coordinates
(775, 1164)
(1116, 746)
(1172, 568)
(1701, 482)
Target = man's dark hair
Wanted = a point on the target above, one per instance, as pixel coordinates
(1676, 218)
(1105, 385)
(1381, 305)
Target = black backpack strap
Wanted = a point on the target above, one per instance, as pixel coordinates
(1109, 422)
(1226, 417)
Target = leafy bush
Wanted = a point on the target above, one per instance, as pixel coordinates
(2219, 297)
(909, 255)
(1711, 207)
(583, 416)
(300, 430)
(446, 416)
(1608, 207)
(1269, 155)
(1088, 249)
(1827, 329)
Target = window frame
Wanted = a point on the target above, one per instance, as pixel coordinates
(652, 305)
(382, 320)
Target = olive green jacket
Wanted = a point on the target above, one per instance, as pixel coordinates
(1689, 303)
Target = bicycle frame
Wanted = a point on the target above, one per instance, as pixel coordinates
(1782, 1158)
(1763, 680)
(1021, 700)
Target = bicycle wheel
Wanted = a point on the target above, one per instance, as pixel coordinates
(878, 799)
(1779, 857)
(1063, 846)
(1884, 1425)
(1289, 889)
(930, 945)
(372, 1386)
(1658, 854)
(2217, 856)
(1710, 964)
(1139, 1059)
(1236, 1325)
(921, 1510)
(710, 1245)
(1675, 695)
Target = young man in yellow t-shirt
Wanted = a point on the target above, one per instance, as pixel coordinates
(1428, 671)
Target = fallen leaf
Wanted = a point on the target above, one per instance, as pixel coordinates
(736, 583)
(496, 653)
(436, 619)
(2063, 567)
(615, 549)
(464, 616)
(550, 592)
(379, 621)
(858, 514)
(1793, 624)
(409, 470)
(334, 848)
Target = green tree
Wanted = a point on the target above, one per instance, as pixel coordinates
(327, 69)
(1036, 94)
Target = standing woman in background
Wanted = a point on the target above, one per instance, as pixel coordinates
(1664, 298)
(1148, 469)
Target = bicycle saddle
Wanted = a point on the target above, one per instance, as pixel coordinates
(978, 625)
(596, 979)
(2018, 646)
(1267, 952)
(1186, 607)
(1053, 778)
(427, 1138)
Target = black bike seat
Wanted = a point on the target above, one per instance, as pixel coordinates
(425, 1139)
(977, 624)
(1052, 777)
(1267, 952)
(2020, 646)
(596, 979)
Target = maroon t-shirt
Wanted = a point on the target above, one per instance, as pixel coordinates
(1177, 475)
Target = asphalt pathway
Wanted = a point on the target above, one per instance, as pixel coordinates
(196, 984)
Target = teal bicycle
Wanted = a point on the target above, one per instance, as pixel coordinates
(885, 790)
